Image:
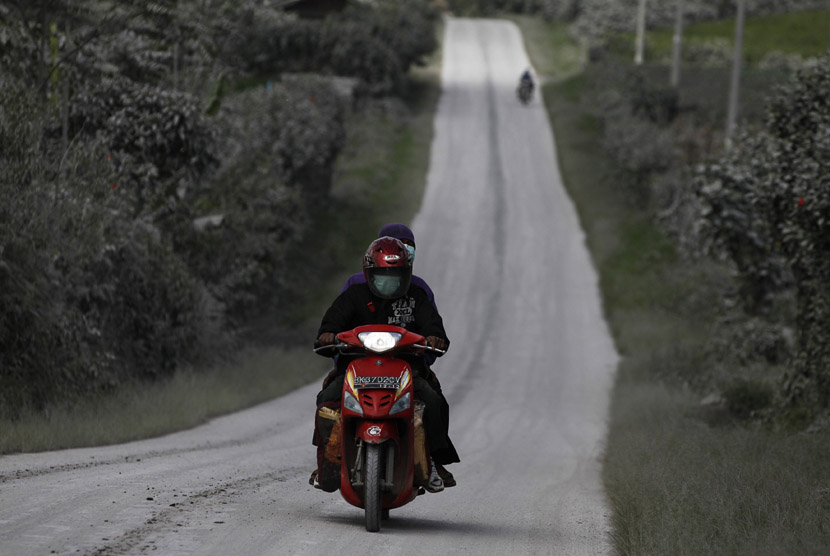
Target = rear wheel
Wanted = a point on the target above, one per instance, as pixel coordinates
(371, 488)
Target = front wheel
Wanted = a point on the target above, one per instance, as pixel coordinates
(371, 488)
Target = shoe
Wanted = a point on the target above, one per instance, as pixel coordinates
(435, 483)
(446, 476)
(314, 480)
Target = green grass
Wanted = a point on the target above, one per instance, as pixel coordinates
(540, 37)
(679, 486)
(804, 33)
(380, 177)
(187, 399)
(681, 478)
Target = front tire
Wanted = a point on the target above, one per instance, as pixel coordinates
(371, 488)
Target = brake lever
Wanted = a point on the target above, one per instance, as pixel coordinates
(430, 348)
(338, 346)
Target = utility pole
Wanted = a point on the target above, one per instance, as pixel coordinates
(677, 43)
(65, 108)
(176, 63)
(176, 53)
(732, 113)
(641, 32)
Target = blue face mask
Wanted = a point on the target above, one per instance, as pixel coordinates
(411, 251)
(386, 285)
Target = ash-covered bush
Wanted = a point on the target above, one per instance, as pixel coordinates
(748, 340)
(159, 141)
(711, 53)
(279, 146)
(374, 42)
(295, 127)
(745, 398)
(562, 10)
(147, 204)
(155, 312)
(763, 7)
(785, 63)
(774, 192)
(636, 114)
(732, 226)
(657, 103)
(636, 143)
(88, 296)
(599, 17)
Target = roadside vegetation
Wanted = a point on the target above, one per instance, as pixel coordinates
(173, 203)
(178, 200)
(710, 265)
(767, 37)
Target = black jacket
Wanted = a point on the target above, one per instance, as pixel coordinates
(356, 306)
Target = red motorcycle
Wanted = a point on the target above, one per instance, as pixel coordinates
(374, 445)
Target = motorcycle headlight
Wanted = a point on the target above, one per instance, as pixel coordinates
(379, 341)
(351, 403)
(400, 405)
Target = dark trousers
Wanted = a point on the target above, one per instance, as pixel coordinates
(448, 455)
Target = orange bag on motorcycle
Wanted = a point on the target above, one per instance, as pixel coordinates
(329, 429)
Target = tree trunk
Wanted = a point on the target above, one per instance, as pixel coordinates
(735, 80)
(641, 32)
(677, 45)
(809, 382)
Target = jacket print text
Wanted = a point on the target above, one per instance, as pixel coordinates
(403, 312)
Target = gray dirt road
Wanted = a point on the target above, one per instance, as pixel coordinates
(527, 377)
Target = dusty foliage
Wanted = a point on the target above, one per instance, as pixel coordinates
(550, 9)
(278, 146)
(599, 17)
(375, 43)
(760, 208)
(768, 202)
(157, 164)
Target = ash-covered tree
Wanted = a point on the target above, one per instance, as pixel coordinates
(92, 292)
(769, 200)
(375, 42)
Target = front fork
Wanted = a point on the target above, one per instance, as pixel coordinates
(356, 476)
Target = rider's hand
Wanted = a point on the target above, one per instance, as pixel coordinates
(326, 339)
(436, 342)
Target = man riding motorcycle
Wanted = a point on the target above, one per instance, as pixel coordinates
(405, 235)
(387, 298)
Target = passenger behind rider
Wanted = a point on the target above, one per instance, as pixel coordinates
(386, 297)
(405, 235)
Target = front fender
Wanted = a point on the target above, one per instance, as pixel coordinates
(376, 432)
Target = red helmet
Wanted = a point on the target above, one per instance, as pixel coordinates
(387, 266)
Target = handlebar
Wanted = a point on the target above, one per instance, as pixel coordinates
(340, 346)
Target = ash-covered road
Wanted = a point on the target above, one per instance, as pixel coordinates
(527, 376)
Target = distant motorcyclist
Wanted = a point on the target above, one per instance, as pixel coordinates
(386, 297)
(526, 86)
